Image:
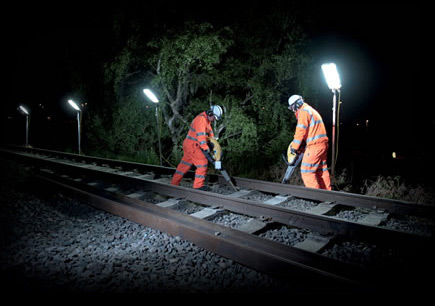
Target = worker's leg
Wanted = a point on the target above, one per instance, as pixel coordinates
(308, 169)
(184, 166)
(313, 167)
(181, 170)
(201, 163)
(310, 179)
(323, 173)
(324, 179)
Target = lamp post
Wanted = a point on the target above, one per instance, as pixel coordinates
(333, 80)
(154, 99)
(27, 114)
(77, 108)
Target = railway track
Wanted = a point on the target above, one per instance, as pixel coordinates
(333, 238)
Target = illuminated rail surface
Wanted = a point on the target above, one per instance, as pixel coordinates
(347, 239)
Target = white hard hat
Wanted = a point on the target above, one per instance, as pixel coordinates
(295, 98)
(217, 111)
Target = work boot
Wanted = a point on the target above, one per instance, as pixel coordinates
(203, 188)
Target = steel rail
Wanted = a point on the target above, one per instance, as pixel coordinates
(337, 270)
(337, 197)
(262, 254)
(321, 224)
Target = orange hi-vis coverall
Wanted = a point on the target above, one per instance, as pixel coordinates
(311, 130)
(196, 140)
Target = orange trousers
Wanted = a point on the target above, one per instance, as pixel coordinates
(192, 156)
(314, 169)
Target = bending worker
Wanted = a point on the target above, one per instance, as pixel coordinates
(195, 145)
(310, 130)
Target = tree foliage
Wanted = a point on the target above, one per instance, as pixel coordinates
(249, 68)
(182, 65)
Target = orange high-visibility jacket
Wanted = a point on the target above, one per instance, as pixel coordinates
(199, 130)
(310, 127)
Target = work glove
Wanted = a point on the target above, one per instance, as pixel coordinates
(217, 165)
(208, 156)
(294, 157)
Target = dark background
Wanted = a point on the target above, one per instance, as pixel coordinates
(380, 50)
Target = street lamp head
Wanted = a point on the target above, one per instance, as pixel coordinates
(24, 110)
(74, 105)
(331, 75)
(150, 95)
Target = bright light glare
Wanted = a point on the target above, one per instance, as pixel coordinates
(74, 105)
(24, 110)
(150, 95)
(331, 76)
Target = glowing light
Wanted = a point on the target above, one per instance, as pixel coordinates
(150, 95)
(24, 110)
(331, 75)
(74, 105)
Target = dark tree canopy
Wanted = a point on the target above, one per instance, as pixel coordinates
(248, 68)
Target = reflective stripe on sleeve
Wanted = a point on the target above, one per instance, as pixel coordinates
(191, 138)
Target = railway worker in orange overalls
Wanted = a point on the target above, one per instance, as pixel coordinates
(310, 130)
(195, 148)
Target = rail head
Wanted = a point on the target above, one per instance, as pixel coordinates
(338, 197)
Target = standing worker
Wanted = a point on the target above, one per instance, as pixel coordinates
(196, 149)
(310, 130)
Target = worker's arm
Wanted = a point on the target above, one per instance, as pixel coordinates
(301, 131)
(211, 133)
(201, 133)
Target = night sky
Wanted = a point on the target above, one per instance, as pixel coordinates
(380, 51)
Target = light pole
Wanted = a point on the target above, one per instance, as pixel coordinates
(333, 80)
(154, 99)
(77, 108)
(27, 114)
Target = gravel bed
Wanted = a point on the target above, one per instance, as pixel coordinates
(353, 215)
(188, 208)
(154, 198)
(51, 243)
(298, 204)
(365, 255)
(257, 196)
(286, 235)
(412, 224)
(221, 189)
(231, 220)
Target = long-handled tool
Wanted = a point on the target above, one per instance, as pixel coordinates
(292, 161)
(291, 167)
(215, 158)
(228, 179)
